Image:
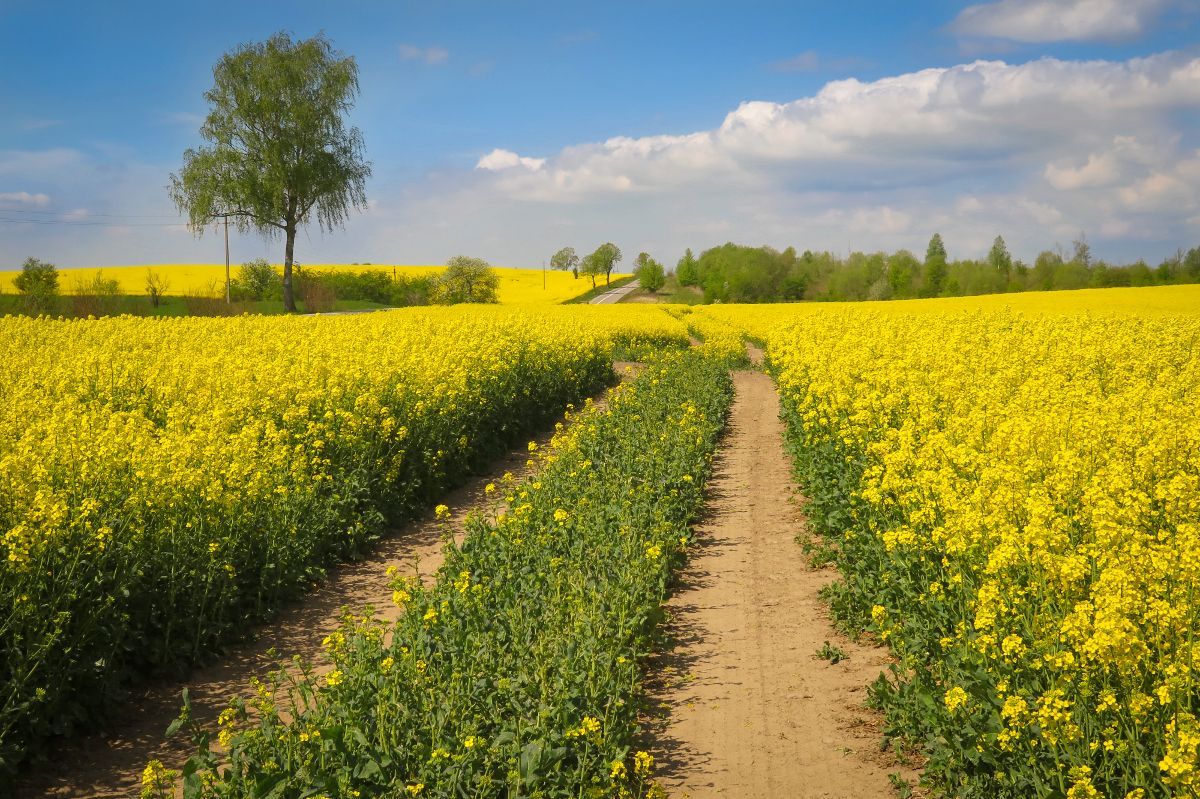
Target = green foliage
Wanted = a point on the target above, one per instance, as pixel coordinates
(650, 273)
(566, 259)
(257, 280)
(466, 279)
(999, 257)
(933, 277)
(686, 271)
(279, 153)
(516, 672)
(604, 259)
(834, 654)
(38, 282)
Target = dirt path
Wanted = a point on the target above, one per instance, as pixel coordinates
(110, 765)
(750, 712)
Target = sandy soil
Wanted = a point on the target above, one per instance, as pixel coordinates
(110, 764)
(748, 710)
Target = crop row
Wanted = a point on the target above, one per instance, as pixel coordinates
(164, 481)
(516, 673)
(1014, 504)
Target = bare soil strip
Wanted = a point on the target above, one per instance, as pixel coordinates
(110, 764)
(749, 710)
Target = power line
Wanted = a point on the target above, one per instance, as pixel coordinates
(89, 213)
(83, 223)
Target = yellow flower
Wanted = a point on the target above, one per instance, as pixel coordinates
(955, 698)
(334, 678)
(442, 512)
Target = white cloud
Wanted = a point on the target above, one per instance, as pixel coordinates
(25, 198)
(1057, 20)
(506, 159)
(920, 128)
(428, 55)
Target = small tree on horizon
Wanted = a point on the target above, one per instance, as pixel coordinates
(686, 270)
(934, 274)
(279, 152)
(999, 257)
(566, 259)
(467, 279)
(650, 274)
(38, 282)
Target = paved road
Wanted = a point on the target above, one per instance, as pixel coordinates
(615, 295)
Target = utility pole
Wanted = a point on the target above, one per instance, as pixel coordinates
(228, 295)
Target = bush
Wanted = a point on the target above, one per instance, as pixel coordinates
(38, 282)
(258, 280)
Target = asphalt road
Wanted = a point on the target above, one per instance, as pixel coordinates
(615, 295)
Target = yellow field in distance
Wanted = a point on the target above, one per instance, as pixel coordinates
(517, 286)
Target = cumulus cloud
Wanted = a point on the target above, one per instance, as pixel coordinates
(427, 55)
(915, 129)
(24, 198)
(506, 159)
(1058, 20)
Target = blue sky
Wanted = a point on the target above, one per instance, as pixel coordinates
(509, 130)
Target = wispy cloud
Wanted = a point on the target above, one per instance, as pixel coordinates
(812, 61)
(1058, 20)
(481, 68)
(428, 55)
(34, 125)
(24, 198)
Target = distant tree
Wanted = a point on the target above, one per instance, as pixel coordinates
(902, 269)
(38, 282)
(1044, 270)
(607, 255)
(650, 274)
(258, 280)
(566, 259)
(686, 271)
(279, 152)
(1191, 264)
(999, 257)
(467, 279)
(934, 273)
(157, 286)
(592, 266)
(1082, 252)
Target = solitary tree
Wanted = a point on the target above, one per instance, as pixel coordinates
(38, 281)
(934, 276)
(279, 152)
(566, 259)
(467, 279)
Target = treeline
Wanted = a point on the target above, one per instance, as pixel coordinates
(255, 286)
(737, 273)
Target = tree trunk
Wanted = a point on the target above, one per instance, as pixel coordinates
(289, 296)
(607, 277)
